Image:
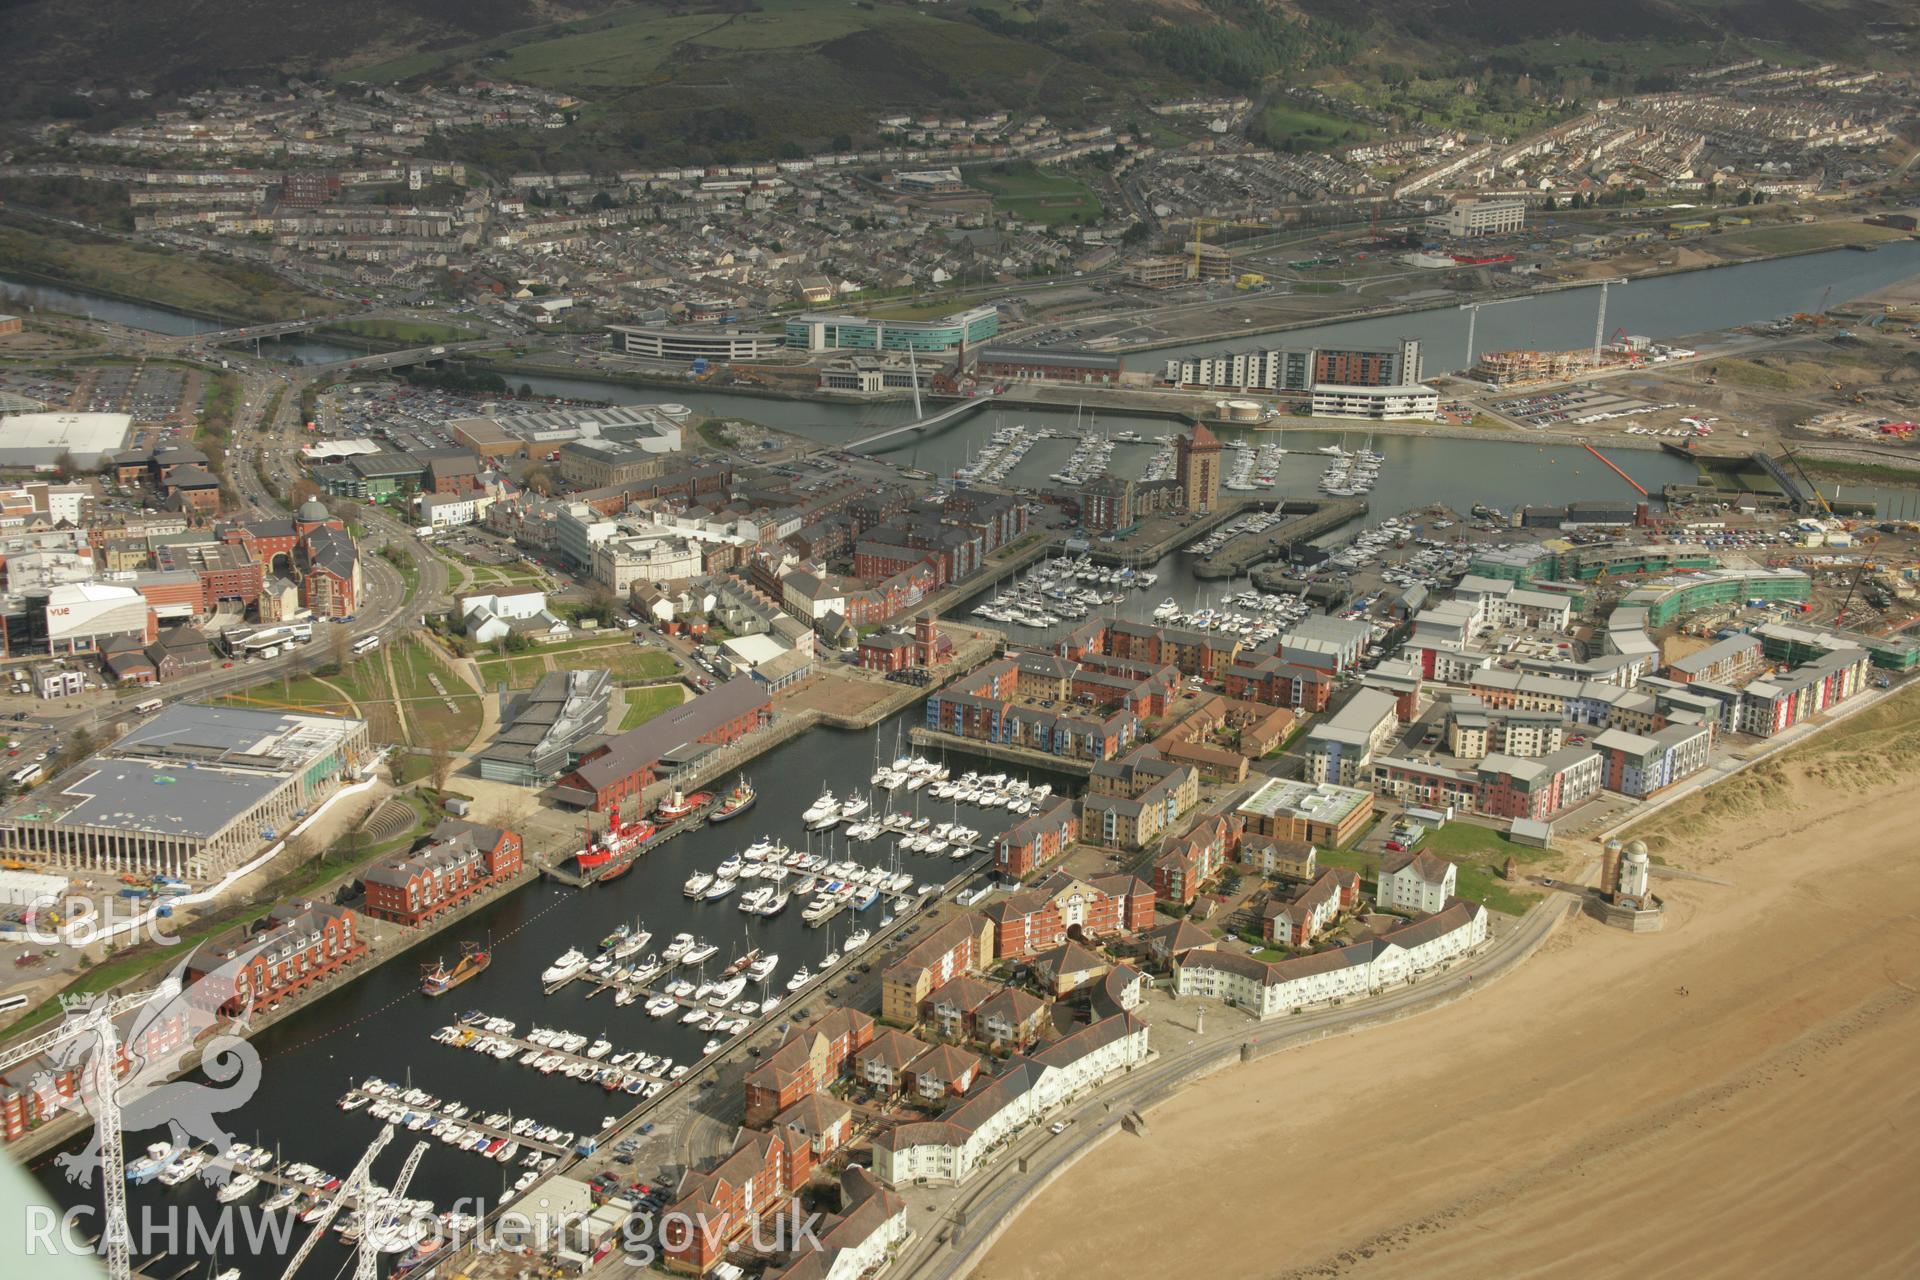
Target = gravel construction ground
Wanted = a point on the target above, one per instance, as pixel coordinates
(1726, 1097)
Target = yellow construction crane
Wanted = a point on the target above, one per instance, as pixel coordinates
(1825, 507)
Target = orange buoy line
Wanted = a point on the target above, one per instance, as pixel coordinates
(1617, 471)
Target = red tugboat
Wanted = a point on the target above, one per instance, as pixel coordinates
(737, 801)
(612, 853)
(681, 806)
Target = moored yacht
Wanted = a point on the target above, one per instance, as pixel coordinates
(570, 965)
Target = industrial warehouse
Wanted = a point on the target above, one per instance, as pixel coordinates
(194, 792)
(654, 428)
(40, 440)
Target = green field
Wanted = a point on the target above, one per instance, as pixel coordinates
(648, 701)
(1464, 842)
(629, 663)
(427, 713)
(1310, 130)
(623, 55)
(1441, 101)
(597, 639)
(632, 47)
(363, 680)
(923, 310)
(155, 275)
(1038, 195)
(520, 672)
(1800, 237)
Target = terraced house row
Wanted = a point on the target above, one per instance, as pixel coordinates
(1270, 989)
(985, 707)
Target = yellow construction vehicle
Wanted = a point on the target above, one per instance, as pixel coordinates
(1251, 280)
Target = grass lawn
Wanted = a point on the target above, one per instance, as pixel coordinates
(1463, 841)
(1864, 472)
(363, 680)
(136, 962)
(521, 671)
(1037, 195)
(307, 693)
(604, 638)
(1476, 851)
(411, 768)
(412, 666)
(921, 310)
(646, 702)
(628, 661)
(631, 663)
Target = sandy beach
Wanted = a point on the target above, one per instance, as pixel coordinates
(1732, 1096)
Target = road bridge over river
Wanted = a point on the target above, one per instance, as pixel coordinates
(412, 355)
(279, 329)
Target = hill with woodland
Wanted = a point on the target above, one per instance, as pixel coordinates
(764, 77)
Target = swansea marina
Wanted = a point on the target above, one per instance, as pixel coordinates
(379, 1042)
(370, 1030)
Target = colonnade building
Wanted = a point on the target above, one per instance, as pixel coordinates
(192, 793)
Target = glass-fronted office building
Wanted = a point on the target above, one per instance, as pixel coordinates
(820, 331)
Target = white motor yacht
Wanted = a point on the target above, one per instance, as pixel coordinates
(570, 965)
(821, 808)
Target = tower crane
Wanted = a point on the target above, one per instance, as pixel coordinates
(1600, 321)
(367, 1265)
(354, 1185)
(98, 1084)
(1599, 325)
